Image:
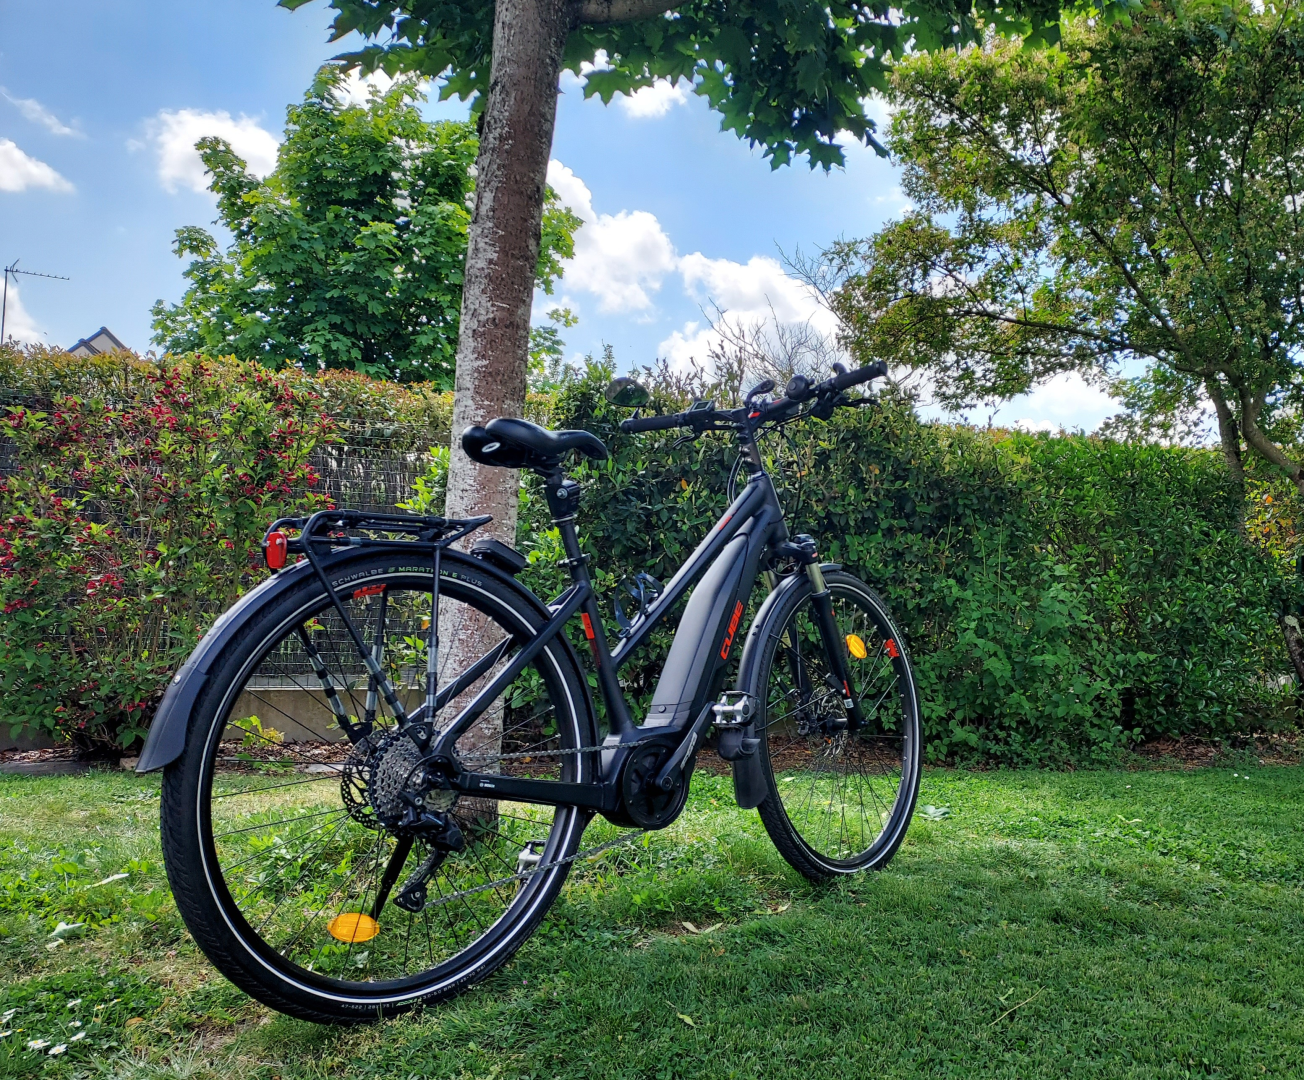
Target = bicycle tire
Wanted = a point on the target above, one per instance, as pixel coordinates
(812, 763)
(203, 847)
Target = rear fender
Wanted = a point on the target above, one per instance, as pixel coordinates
(167, 734)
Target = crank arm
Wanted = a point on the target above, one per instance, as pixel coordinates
(665, 779)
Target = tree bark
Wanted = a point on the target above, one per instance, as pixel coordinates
(1230, 435)
(497, 295)
(503, 245)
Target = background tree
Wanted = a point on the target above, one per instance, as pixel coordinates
(1134, 196)
(350, 254)
(789, 75)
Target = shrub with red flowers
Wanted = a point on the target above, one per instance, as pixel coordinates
(129, 526)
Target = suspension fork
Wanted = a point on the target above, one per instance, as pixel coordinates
(835, 647)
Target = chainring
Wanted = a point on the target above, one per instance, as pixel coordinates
(646, 805)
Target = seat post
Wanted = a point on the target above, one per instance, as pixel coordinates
(563, 496)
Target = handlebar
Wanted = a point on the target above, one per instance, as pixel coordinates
(799, 390)
(654, 423)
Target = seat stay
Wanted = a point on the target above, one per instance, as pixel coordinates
(477, 707)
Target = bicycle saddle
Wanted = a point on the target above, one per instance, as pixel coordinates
(518, 444)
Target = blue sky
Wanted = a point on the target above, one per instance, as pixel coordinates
(97, 171)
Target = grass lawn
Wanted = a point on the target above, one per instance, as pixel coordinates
(1106, 924)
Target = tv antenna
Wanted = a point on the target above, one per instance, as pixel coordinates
(12, 268)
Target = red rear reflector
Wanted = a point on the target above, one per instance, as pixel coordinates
(274, 549)
(370, 590)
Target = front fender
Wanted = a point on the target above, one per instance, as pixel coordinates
(167, 734)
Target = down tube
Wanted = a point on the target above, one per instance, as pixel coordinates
(694, 669)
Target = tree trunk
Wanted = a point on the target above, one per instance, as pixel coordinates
(503, 245)
(1229, 432)
(498, 291)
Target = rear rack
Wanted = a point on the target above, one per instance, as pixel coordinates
(327, 531)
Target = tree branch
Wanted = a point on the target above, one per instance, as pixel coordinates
(601, 12)
(1230, 436)
(1251, 406)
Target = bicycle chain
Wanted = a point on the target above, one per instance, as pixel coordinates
(525, 755)
(523, 875)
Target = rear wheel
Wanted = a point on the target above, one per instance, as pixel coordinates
(839, 800)
(280, 846)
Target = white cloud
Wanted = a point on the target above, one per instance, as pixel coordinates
(747, 295)
(1066, 401)
(18, 323)
(755, 289)
(37, 113)
(691, 344)
(174, 134)
(357, 88)
(18, 172)
(652, 102)
(620, 258)
(647, 102)
(623, 259)
(572, 191)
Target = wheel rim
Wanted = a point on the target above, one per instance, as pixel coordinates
(294, 848)
(844, 793)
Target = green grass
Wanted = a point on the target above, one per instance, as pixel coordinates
(1103, 924)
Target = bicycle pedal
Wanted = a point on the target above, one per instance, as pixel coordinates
(530, 856)
(734, 709)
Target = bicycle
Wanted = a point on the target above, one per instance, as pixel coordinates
(418, 860)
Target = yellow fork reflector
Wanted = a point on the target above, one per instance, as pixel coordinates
(856, 647)
(353, 926)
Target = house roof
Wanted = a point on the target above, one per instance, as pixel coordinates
(102, 341)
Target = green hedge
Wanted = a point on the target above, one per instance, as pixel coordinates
(1062, 596)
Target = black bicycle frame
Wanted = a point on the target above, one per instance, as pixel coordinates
(728, 561)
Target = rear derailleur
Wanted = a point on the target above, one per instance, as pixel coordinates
(391, 785)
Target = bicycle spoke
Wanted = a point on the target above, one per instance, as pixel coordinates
(297, 860)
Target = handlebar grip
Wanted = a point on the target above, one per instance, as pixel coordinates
(875, 370)
(652, 423)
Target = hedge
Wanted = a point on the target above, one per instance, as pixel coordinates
(1063, 596)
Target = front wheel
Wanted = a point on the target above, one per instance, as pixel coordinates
(840, 796)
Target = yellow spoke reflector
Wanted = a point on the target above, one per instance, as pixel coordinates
(353, 926)
(856, 647)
